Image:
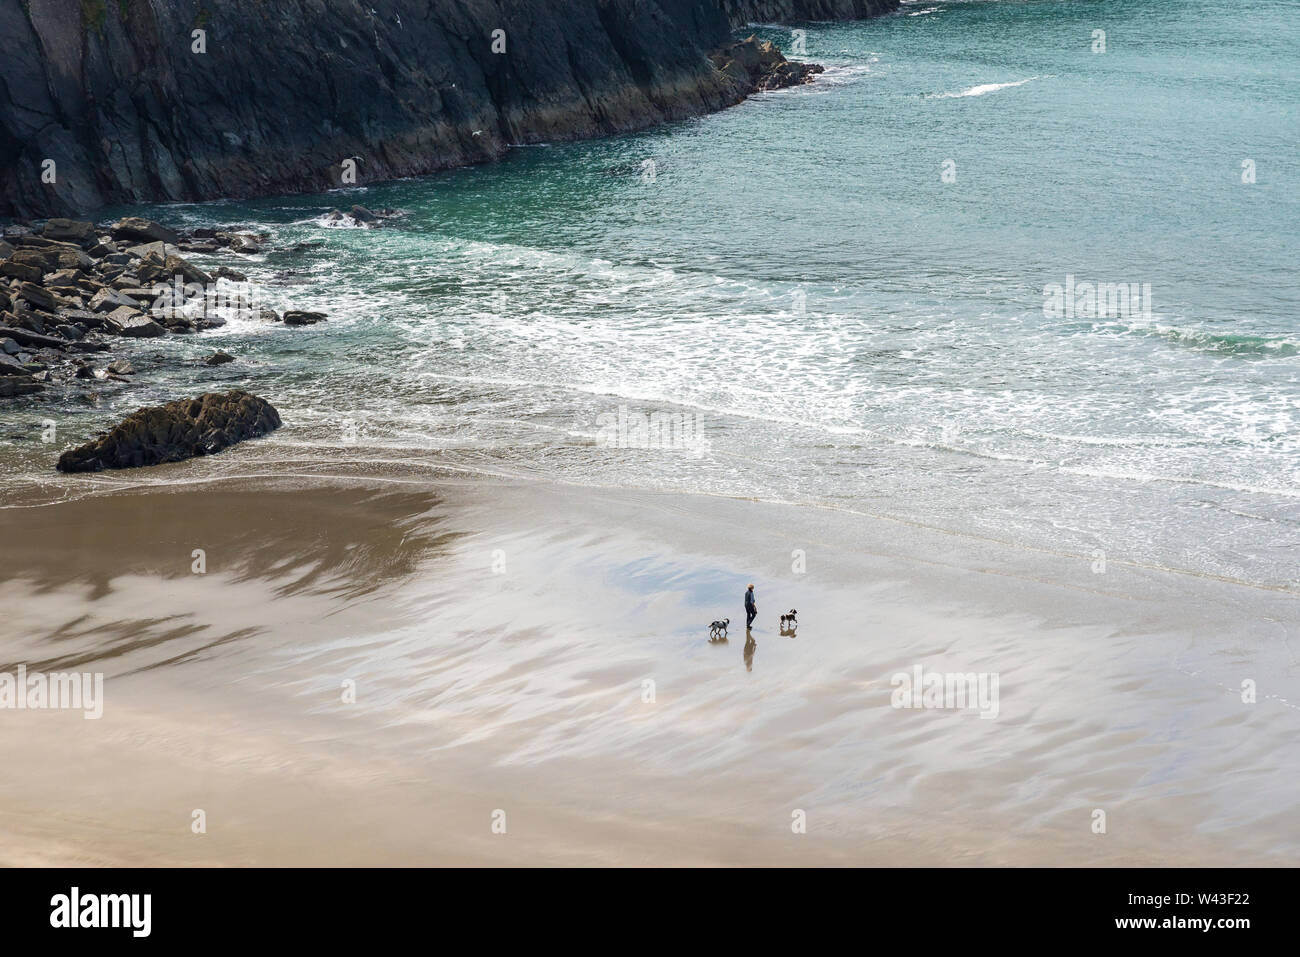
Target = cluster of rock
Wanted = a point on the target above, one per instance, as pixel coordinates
(178, 430)
(69, 288)
(757, 65)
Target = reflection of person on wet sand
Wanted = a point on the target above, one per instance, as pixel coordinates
(751, 607)
(750, 645)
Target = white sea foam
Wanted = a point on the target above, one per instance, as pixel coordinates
(982, 88)
(347, 222)
(844, 74)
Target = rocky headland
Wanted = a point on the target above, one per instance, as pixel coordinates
(109, 102)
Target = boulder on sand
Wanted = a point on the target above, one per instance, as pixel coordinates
(176, 431)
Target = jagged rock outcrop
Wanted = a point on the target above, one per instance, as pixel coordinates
(120, 101)
(175, 431)
(758, 65)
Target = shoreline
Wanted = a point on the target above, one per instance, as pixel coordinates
(479, 690)
(71, 288)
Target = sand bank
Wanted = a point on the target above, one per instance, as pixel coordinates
(535, 655)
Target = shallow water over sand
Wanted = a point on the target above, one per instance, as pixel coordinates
(501, 637)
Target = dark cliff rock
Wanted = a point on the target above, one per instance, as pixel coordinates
(740, 12)
(175, 431)
(114, 94)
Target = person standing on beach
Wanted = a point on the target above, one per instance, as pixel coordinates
(751, 608)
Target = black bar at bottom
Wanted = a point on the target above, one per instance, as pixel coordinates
(907, 906)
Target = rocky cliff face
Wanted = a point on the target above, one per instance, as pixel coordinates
(740, 12)
(118, 101)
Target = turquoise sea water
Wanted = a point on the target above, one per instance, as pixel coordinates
(844, 327)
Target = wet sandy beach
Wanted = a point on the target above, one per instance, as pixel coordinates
(534, 658)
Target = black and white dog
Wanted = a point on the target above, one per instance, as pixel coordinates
(719, 629)
(787, 621)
